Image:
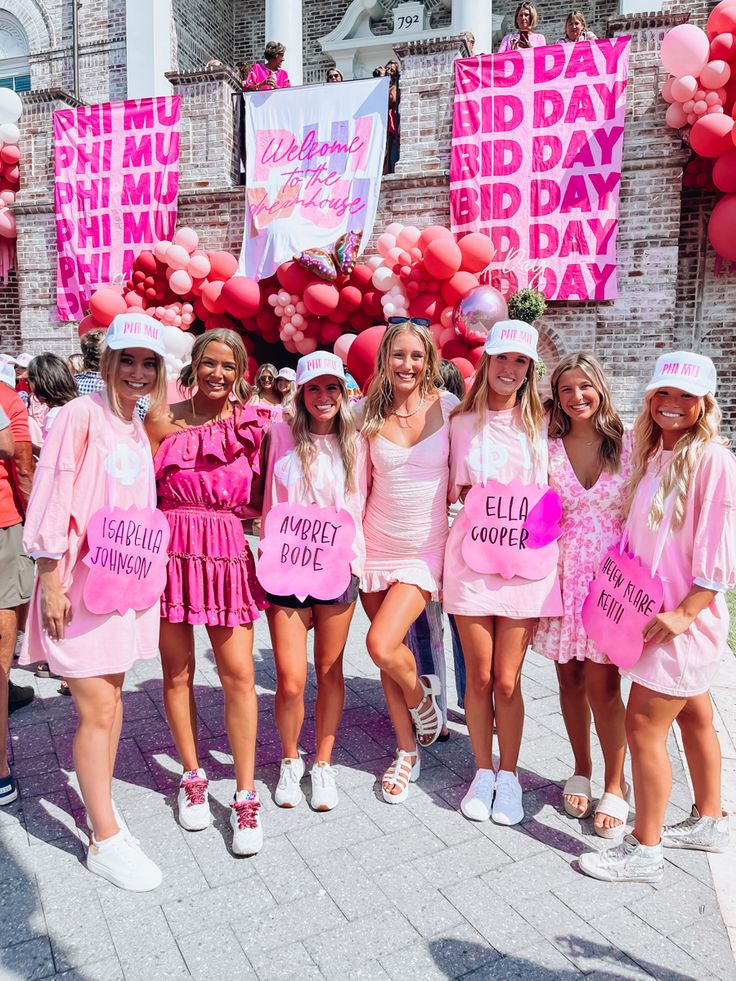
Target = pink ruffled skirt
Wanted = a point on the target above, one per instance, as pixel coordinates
(211, 571)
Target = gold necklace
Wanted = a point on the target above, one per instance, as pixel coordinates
(408, 415)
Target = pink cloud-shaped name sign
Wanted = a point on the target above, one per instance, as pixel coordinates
(512, 529)
(621, 600)
(306, 550)
(127, 559)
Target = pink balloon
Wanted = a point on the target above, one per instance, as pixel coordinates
(675, 116)
(683, 88)
(161, 248)
(448, 334)
(717, 108)
(180, 282)
(699, 95)
(394, 254)
(667, 91)
(7, 223)
(289, 310)
(691, 118)
(721, 225)
(688, 106)
(711, 136)
(297, 320)
(306, 345)
(384, 243)
(712, 99)
(7, 197)
(188, 238)
(408, 237)
(395, 229)
(343, 344)
(715, 74)
(684, 50)
(700, 107)
(298, 335)
(199, 266)
(177, 257)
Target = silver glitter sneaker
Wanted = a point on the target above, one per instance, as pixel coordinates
(627, 862)
(704, 834)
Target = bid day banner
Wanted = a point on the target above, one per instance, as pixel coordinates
(116, 169)
(536, 163)
(313, 163)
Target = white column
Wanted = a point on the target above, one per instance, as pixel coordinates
(473, 17)
(284, 24)
(148, 47)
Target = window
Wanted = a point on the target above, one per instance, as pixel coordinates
(14, 66)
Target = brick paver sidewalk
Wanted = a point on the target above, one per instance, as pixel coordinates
(367, 891)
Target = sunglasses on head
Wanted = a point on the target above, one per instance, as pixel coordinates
(420, 321)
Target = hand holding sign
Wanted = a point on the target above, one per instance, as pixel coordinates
(622, 599)
(513, 529)
(127, 559)
(306, 550)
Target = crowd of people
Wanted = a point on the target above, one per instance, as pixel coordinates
(397, 462)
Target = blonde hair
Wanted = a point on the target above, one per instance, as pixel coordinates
(685, 458)
(272, 370)
(533, 15)
(109, 369)
(527, 398)
(606, 421)
(379, 398)
(343, 427)
(188, 374)
(575, 15)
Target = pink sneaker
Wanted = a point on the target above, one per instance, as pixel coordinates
(245, 820)
(194, 808)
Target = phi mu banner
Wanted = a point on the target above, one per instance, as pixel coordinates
(116, 170)
(313, 162)
(536, 163)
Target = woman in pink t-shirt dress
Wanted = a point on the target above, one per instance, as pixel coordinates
(497, 432)
(206, 456)
(95, 457)
(406, 423)
(589, 466)
(682, 525)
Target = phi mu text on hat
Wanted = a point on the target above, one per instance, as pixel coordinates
(515, 334)
(686, 368)
(138, 328)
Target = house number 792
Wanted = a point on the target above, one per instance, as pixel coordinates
(407, 20)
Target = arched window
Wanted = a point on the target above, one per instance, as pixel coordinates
(15, 71)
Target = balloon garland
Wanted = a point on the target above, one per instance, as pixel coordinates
(701, 93)
(11, 108)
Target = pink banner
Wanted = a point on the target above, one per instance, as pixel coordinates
(116, 169)
(537, 142)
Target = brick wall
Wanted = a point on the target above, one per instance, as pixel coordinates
(204, 30)
(10, 334)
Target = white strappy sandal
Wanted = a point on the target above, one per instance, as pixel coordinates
(427, 717)
(401, 773)
(614, 807)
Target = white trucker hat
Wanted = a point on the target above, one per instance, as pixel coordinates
(319, 363)
(692, 373)
(509, 336)
(135, 330)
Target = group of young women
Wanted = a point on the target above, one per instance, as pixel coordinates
(394, 463)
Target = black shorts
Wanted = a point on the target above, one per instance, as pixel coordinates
(292, 603)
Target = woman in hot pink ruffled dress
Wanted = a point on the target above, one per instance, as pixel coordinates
(589, 465)
(406, 423)
(206, 457)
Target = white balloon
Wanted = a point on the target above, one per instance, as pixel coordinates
(10, 106)
(383, 279)
(9, 133)
(178, 344)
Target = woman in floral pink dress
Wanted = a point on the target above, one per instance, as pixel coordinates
(589, 464)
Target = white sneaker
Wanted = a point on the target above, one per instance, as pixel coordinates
(118, 817)
(507, 807)
(193, 803)
(627, 862)
(288, 792)
(123, 862)
(245, 820)
(476, 804)
(324, 787)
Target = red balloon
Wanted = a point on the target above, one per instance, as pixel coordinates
(456, 348)
(431, 233)
(248, 343)
(723, 48)
(252, 369)
(458, 286)
(330, 331)
(88, 323)
(361, 277)
(292, 277)
(722, 19)
(106, 303)
(211, 297)
(721, 225)
(477, 251)
(146, 262)
(134, 299)
(200, 310)
(350, 298)
(475, 354)
(711, 135)
(321, 298)
(372, 303)
(362, 354)
(339, 315)
(241, 297)
(10, 154)
(360, 321)
(223, 265)
(724, 172)
(425, 305)
(442, 258)
(464, 366)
